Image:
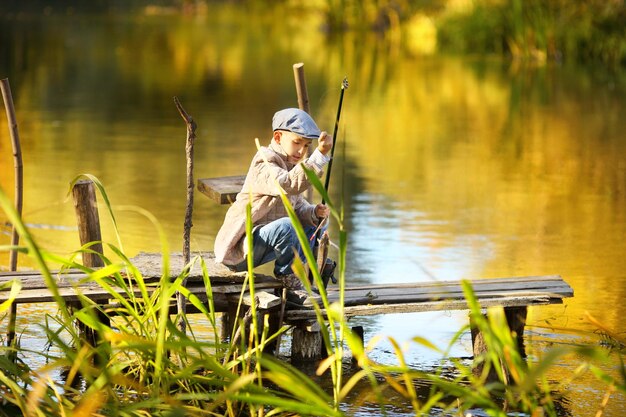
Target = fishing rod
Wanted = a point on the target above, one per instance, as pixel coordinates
(344, 87)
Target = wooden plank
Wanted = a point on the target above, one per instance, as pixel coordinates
(413, 298)
(371, 309)
(266, 300)
(94, 291)
(151, 265)
(223, 190)
(270, 284)
(34, 279)
(558, 287)
(399, 297)
(220, 305)
(474, 282)
(32, 272)
(562, 291)
(69, 294)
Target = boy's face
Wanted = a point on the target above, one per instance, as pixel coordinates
(296, 147)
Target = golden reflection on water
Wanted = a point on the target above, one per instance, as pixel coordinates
(535, 187)
(448, 168)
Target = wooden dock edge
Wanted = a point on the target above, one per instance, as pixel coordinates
(222, 190)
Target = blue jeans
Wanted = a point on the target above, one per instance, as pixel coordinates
(277, 241)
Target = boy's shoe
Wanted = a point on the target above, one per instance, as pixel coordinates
(296, 292)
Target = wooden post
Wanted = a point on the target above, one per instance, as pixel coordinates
(516, 320)
(229, 320)
(303, 104)
(19, 190)
(84, 195)
(479, 348)
(274, 322)
(281, 317)
(301, 91)
(306, 343)
(243, 327)
(191, 137)
(360, 333)
(227, 326)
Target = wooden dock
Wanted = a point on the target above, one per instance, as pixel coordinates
(515, 294)
(222, 190)
(360, 300)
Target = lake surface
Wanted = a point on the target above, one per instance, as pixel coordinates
(447, 167)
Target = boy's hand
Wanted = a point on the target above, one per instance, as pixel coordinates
(325, 143)
(322, 211)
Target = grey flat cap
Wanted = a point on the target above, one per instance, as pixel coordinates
(296, 121)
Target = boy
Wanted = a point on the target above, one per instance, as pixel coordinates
(274, 237)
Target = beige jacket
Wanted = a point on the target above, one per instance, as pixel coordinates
(267, 205)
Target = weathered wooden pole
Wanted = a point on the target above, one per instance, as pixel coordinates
(516, 320)
(301, 91)
(306, 342)
(303, 103)
(19, 187)
(86, 206)
(359, 332)
(191, 137)
(88, 220)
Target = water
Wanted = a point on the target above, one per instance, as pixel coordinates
(448, 167)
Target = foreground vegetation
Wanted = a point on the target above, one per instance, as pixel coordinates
(144, 365)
